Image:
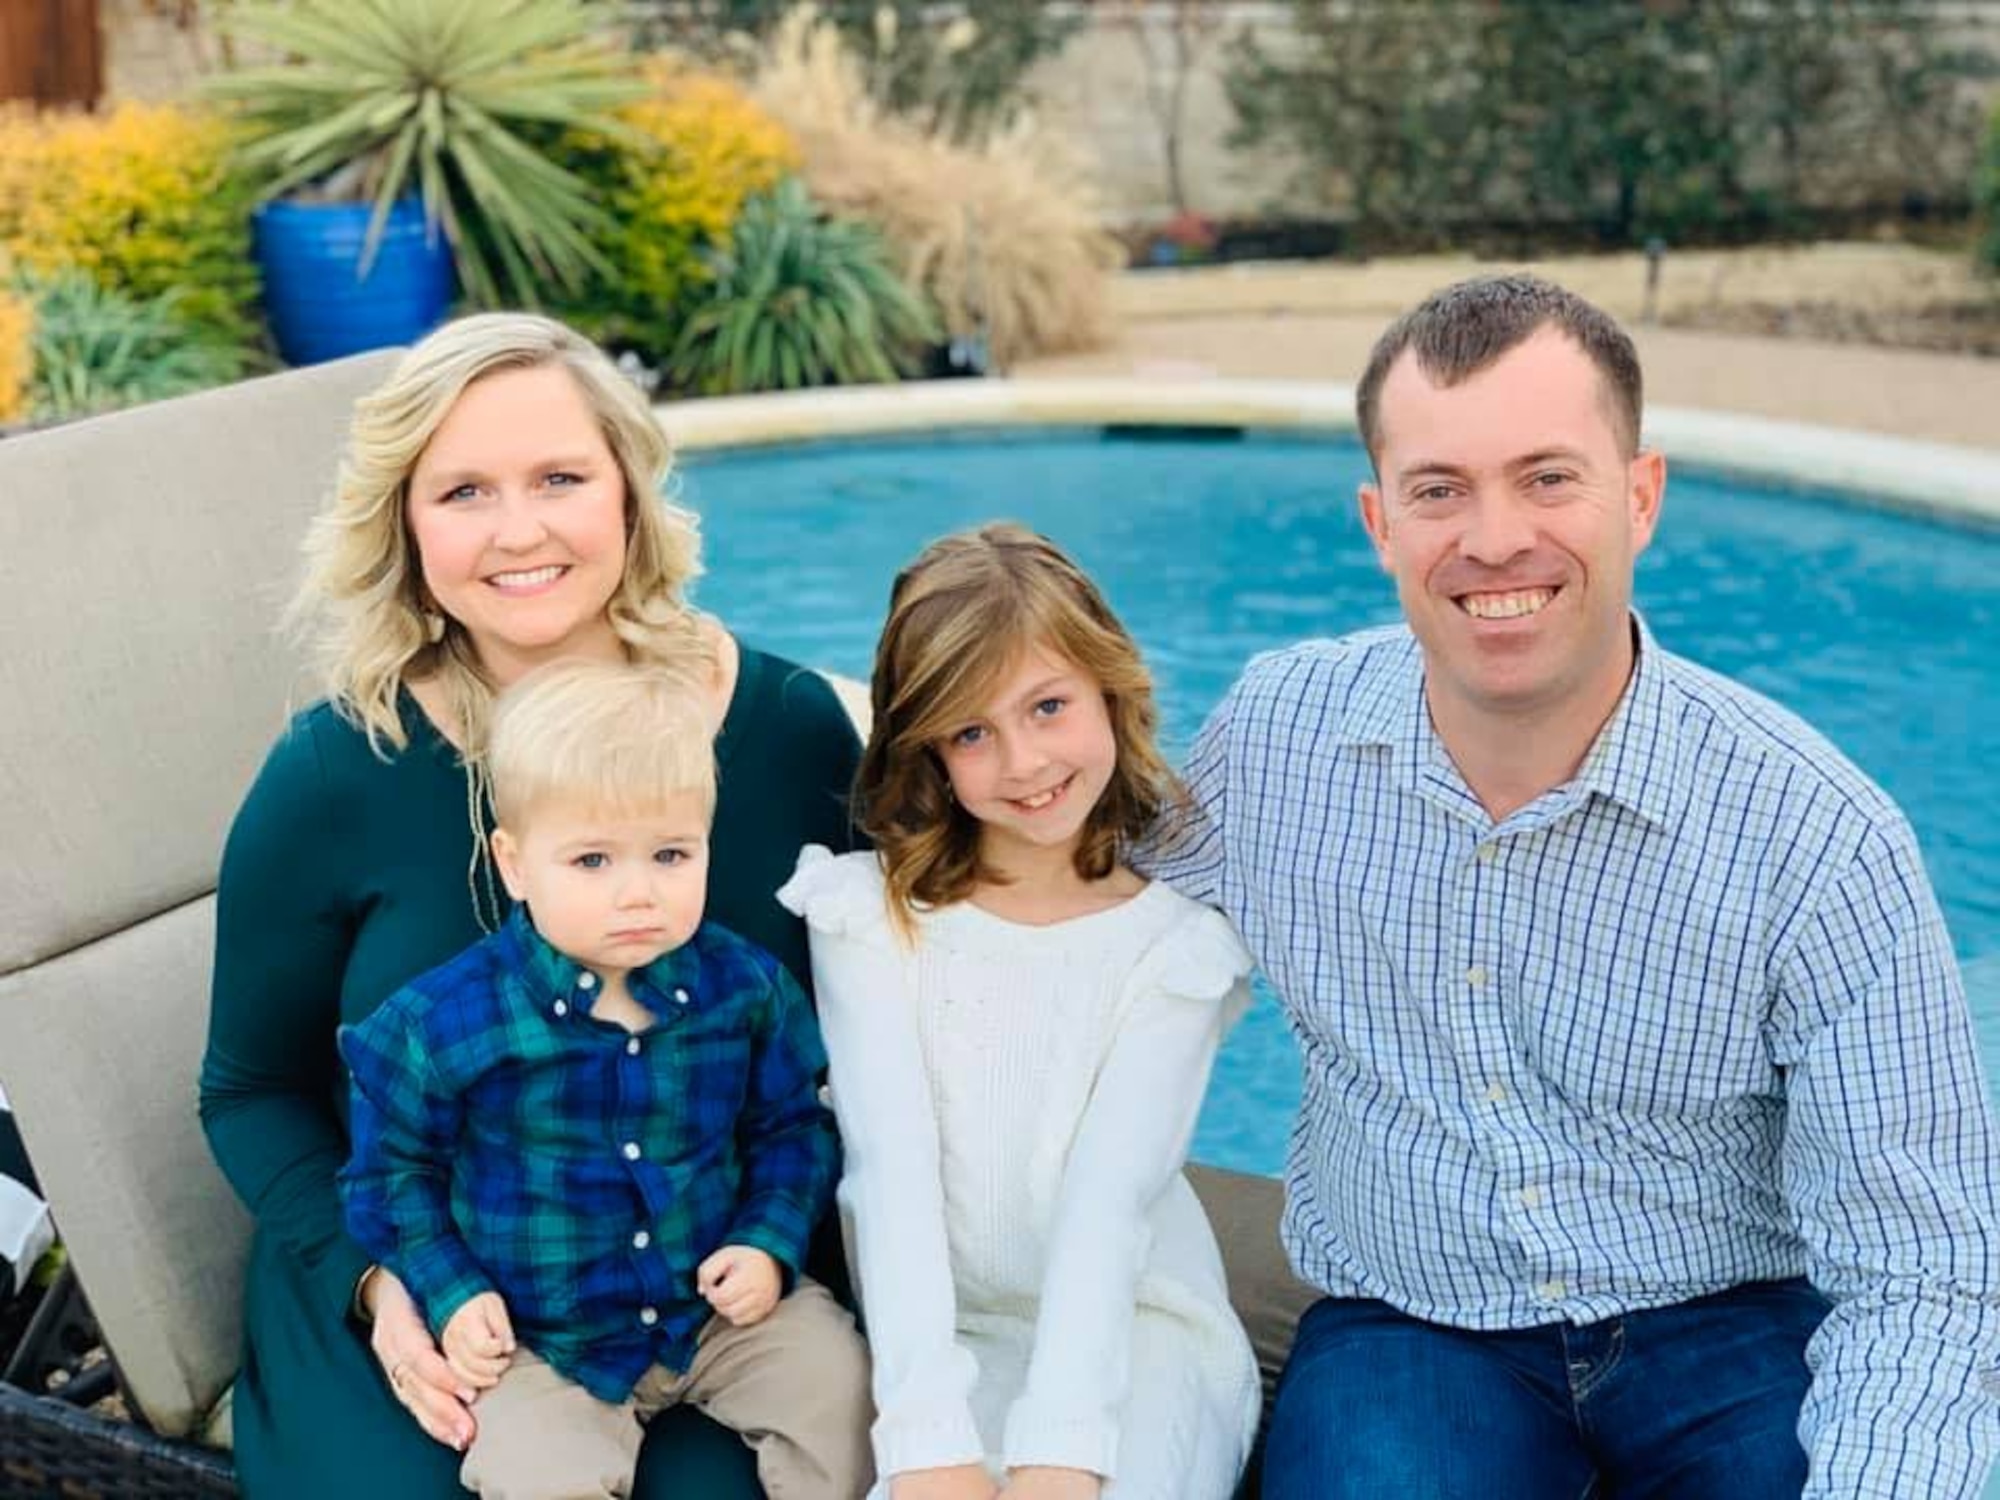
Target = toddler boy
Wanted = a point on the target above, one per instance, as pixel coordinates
(592, 1145)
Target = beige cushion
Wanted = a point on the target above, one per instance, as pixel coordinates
(144, 558)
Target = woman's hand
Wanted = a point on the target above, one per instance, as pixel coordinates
(417, 1373)
(1039, 1482)
(959, 1482)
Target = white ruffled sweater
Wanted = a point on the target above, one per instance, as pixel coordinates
(1016, 1104)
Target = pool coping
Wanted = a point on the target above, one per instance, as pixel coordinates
(1943, 479)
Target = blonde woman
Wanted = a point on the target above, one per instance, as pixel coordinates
(497, 510)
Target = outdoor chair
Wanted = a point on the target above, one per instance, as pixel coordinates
(144, 561)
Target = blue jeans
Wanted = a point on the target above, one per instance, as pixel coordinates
(1676, 1403)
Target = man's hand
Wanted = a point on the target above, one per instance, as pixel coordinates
(1040, 1482)
(417, 1373)
(959, 1482)
(741, 1283)
(479, 1340)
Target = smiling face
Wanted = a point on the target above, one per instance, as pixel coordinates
(613, 892)
(1032, 759)
(1510, 513)
(516, 508)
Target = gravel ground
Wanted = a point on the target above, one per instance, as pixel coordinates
(1315, 321)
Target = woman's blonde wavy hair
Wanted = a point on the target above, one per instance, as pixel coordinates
(362, 604)
(960, 617)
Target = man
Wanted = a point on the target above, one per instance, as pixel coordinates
(1625, 1004)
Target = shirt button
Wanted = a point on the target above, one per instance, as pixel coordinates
(1551, 1291)
(1531, 1196)
(680, 997)
(641, 1240)
(586, 980)
(631, 1150)
(1476, 977)
(562, 1007)
(1496, 1093)
(632, 1046)
(649, 1316)
(1485, 852)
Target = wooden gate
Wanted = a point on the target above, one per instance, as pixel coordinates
(50, 52)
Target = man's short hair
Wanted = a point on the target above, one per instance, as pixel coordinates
(1457, 332)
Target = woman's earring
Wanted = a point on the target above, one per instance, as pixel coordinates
(433, 625)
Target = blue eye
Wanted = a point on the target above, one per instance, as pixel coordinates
(591, 861)
(669, 856)
(1048, 708)
(562, 478)
(459, 492)
(967, 737)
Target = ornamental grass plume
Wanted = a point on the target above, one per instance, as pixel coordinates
(1004, 235)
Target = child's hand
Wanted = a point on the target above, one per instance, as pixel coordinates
(479, 1340)
(741, 1283)
(959, 1482)
(1039, 1482)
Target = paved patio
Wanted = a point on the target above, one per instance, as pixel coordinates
(1316, 322)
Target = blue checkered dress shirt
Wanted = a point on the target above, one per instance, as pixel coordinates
(1690, 1020)
(504, 1140)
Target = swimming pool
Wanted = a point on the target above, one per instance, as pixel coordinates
(1878, 627)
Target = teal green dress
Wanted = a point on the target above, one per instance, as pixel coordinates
(346, 875)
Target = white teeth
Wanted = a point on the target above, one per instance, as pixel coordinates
(530, 578)
(1041, 799)
(1506, 606)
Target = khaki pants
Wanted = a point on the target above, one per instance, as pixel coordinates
(795, 1386)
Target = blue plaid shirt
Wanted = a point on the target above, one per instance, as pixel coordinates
(506, 1141)
(1688, 1021)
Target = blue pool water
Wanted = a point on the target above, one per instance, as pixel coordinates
(1879, 628)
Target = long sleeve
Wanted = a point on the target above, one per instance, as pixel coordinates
(789, 1152)
(1132, 1142)
(269, 1074)
(891, 1187)
(1892, 1168)
(397, 1185)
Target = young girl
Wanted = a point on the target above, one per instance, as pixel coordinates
(1020, 1030)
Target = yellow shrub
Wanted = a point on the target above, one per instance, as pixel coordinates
(139, 198)
(707, 148)
(17, 325)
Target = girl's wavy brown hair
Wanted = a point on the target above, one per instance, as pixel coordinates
(960, 617)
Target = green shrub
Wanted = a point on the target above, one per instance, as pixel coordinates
(1986, 197)
(953, 67)
(1615, 121)
(139, 198)
(93, 350)
(799, 300)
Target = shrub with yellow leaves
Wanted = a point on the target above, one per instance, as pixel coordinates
(138, 198)
(705, 148)
(17, 326)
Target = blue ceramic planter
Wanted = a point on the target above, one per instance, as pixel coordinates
(318, 307)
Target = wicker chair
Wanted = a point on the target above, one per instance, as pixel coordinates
(143, 559)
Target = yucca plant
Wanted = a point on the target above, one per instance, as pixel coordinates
(455, 99)
(800, 300)
(95, 350)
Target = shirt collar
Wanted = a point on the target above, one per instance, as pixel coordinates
(1633, 762)
(551, 975)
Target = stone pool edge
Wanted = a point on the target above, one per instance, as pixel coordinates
(1941, 479)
